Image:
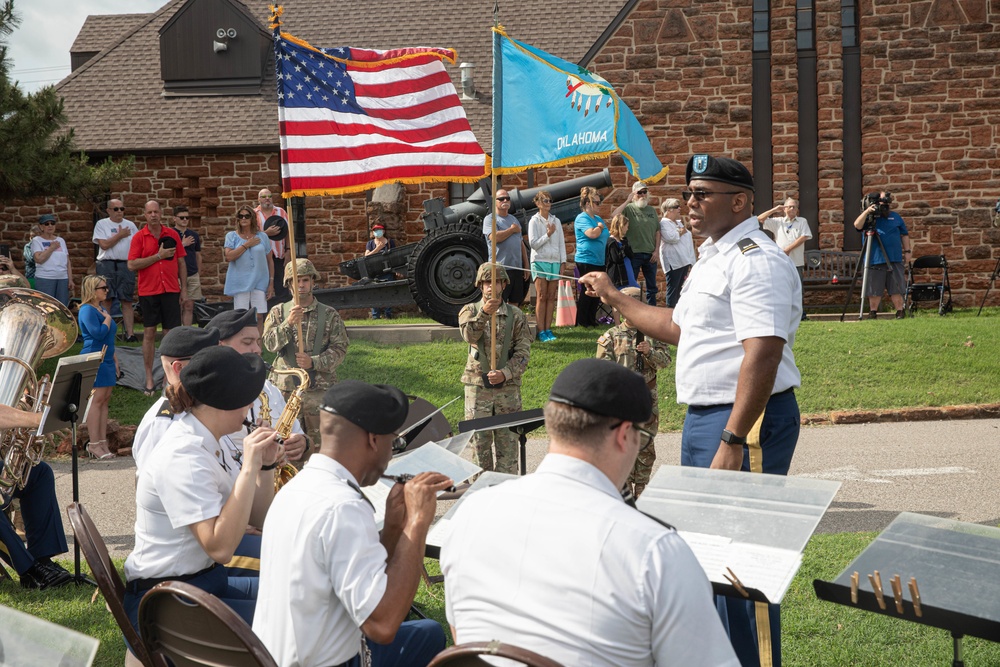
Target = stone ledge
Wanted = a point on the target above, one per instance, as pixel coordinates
(978, 411)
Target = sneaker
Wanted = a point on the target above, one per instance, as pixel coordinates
(45, 574)
(873, 314)
(131, 339)
(543, 336)
(900, 314)
(552, 336)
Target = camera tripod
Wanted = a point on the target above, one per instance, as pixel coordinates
(993, 278)
(864, 267)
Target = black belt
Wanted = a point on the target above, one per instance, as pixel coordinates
(137, 585)
(790, 390)
(116, 261)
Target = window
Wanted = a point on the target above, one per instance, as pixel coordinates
(805, 31)
(761, 26)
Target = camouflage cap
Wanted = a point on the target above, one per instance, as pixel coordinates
(303, 267)
(485, 274)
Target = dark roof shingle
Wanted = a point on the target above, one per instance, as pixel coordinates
(141, 119)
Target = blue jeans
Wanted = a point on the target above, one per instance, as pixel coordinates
(675, 281)
(54, 287)
(779, 433)
(641, 260)
(415, 645)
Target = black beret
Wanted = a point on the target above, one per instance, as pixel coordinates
(231, 322)
(604, 388)
(222, 378)
(723, 169)
(377, 408)
(185, 342)
(281, 223)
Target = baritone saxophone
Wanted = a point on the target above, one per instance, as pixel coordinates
(283, 429)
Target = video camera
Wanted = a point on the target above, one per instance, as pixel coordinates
(882, 204)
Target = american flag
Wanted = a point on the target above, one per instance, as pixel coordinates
(352, 119)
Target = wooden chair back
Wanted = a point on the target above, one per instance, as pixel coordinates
(470, 655)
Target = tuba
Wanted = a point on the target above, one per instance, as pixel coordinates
(283, 429)
(33, 326)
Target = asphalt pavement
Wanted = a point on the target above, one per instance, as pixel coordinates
(942, 468)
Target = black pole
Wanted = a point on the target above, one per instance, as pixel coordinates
(71, 414)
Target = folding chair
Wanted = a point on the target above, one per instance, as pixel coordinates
(194, 628)
(468, 655)
(928, 267)
(108, 580)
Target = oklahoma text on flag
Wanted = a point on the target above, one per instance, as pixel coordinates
(353, 119)
(548, 112)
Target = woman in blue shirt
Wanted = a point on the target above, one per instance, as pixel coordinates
(591, 241)
(98, 331)
(250, 276)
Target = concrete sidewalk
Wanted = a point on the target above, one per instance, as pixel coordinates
(943, 468)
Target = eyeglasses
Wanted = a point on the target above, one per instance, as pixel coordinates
(642, 192)
(673, 208)
(117, 208)
(48, 222)
(244, 216)
(645, 436)
(544, 201)
(701, 195)
(264, 197)
(503, 198)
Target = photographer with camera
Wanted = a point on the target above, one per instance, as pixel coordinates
(886, 272)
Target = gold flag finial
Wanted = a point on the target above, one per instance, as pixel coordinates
(276, 12)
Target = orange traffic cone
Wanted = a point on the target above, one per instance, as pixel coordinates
(566, 305)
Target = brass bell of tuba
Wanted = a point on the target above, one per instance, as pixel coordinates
(33, 326)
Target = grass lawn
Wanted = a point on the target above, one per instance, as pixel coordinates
(813, 632)
(924, 361)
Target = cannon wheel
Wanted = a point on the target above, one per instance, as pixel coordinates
(442, 270)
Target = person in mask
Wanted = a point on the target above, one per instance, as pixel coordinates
(380, 243)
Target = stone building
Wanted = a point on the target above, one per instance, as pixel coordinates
(825, 99)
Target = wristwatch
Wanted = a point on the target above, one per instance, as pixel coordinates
(731, 438)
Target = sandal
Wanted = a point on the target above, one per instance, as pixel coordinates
(149, 391)
(100, 457)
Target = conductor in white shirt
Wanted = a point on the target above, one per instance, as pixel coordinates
(556, 562)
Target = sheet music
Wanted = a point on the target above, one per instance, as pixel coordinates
(768, 569)
(457, 444)
(430, 457)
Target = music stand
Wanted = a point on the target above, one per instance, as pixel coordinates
(521, 423)
(952, 566)
(68, 397)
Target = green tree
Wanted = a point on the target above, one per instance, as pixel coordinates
(39, 157)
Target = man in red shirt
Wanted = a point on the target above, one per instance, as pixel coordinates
(157, 256)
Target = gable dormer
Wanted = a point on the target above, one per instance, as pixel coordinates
(213, 47)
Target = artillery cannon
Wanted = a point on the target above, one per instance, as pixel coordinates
(439, 270)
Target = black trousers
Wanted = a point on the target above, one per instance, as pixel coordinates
(586, 306)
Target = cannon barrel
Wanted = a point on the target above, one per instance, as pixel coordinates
(521, 200)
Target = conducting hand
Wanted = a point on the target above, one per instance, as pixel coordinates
(597, 284)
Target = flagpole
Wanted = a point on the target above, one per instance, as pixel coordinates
(496, 129)
(295, 283)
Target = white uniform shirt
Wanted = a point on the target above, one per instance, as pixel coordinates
(105, 229)
(187, 478)
(676, 249)
(322, 568)
(787, 232)
(151, 430)
(54, 268)
(557, 563)
(276, 404)
(729, 296)
(545, 248)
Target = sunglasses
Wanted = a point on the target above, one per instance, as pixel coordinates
(642, 192)
(104, 287)
(243, 216)
(503, 198)
(701, 195)
(183, 217)
(117, 208)
(544, 201)
(48, 222)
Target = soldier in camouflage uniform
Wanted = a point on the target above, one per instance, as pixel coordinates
(618, 344)
(513, 349)
(325, 346)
